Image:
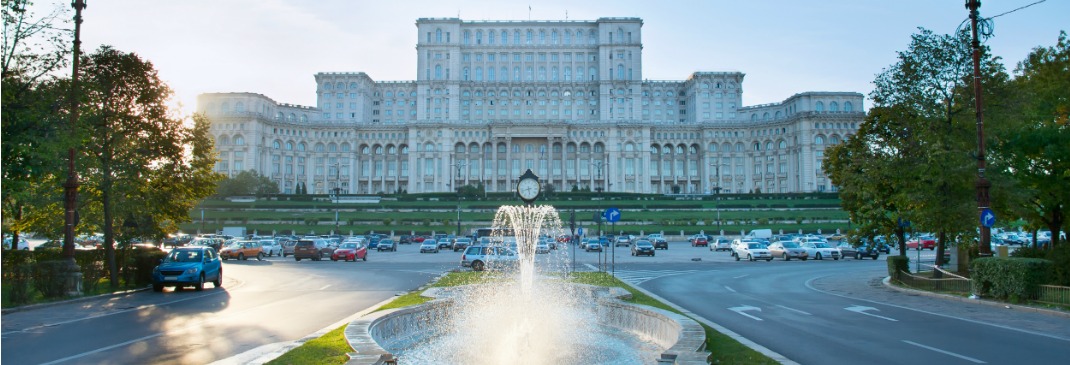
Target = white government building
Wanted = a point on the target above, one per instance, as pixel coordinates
(566, 99)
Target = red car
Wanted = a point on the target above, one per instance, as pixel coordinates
(928, 242)
(350, 252)
(700, 241)
(418, 239)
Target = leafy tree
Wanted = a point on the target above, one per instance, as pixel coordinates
(34, 132)
(247, 182)
(1032, 153)
(913, 154)
(144, 169)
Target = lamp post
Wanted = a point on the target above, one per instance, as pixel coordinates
(70, 187)
(337, 191)
(717, 190)
(457, 187)
(598, 167)
(984, 248)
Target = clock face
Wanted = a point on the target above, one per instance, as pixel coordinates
(528, 189)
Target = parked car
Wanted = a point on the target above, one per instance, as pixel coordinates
(386, 245)
(871, 251)
(846, 249)
(593, 246)
(542, 247)
(480, 257)
(700, 241)
(642, 247)
(188, 266)
(623, 240)
(22, 244)
(288, 247)
(752, 251)
(585, 241)
(429, 245)
(271, 247)
(788, 250)
(312, 248)
(351, 252)
(242, 250)
(658, 241)
(820, 250)
(461, 243)
(404, 239)
(720, 244)
(926, 242)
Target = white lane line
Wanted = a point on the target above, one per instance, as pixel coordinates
(745, 308)
(325, 287)
(809, 285)
(794, 310)
(862, 310)
(729, 288)
(741, 276)
(967, 358)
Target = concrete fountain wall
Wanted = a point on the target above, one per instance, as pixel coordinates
(387, 332)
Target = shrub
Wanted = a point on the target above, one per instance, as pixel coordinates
(17, 275)
(387, 221)
(897, 264)
(140, 263)
(1009, 278)
(49, 278)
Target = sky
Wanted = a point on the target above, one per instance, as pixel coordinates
(275, 47)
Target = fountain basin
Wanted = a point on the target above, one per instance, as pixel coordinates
(626, 333)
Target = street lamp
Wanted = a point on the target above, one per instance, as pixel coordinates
(717, 190)
(70, 187)
(337, 190)
(457, 187)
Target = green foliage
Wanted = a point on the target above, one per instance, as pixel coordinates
(897, 264)
(246, 182)
(1009, 278)
(1059, 256)
(329, 349)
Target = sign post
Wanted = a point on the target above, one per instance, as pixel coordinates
(612, 216)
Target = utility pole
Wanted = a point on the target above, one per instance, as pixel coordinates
(459, 165)
(984, 249)
(70, 187)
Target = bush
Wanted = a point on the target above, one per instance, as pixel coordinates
(17, 276)
(49, 278)
(897, 264)
(1012, 278)
(140, 262)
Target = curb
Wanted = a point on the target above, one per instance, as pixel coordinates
(991, 303)
(69, 301)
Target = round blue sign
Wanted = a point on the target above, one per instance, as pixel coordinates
(988, 218)
(612, 215)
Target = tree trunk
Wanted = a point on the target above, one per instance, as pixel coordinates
(940, 243)
(108, 226)
(900, 234)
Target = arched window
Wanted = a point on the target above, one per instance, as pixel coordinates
(239, 141)
(459, 148)
(289, 146)
(757, 146)
(378, 149)
(429, 147)
(654, 150)
(783, 144)
(847, 107)
(345, 147)
(712, 147)
(332, 148)
(629, 147)
(391, 150)
(301, 146)
(819, 140)
(819, 107)
(223, 140)
(739, 147)
(833, 107)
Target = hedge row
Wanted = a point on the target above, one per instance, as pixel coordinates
(1011, 278)
(27, 273)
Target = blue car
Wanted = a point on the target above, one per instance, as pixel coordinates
(188, 266)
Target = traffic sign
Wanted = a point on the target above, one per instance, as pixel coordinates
(988, 218)
(903, 223)
(612, 215)
(579, 231)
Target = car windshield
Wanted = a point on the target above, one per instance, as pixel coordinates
(184, 256)
(349, 245)
(821, 245)
(643, 244)
(755, 245)
(790, 245)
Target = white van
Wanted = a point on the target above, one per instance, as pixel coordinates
(764, 234)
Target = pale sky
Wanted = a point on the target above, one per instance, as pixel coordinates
(274, 47)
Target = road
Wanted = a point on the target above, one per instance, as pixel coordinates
(813, 312)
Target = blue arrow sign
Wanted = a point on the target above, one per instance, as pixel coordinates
(612, 215)
(579, 231)
(903, 223)
(988, 218)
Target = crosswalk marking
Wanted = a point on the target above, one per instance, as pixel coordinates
(637, 277)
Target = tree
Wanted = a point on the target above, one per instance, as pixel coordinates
(34, 131)
(143, 168)
(247, 182)
(1032, 153)
(920, 134)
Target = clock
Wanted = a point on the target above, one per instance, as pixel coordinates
(528, 188)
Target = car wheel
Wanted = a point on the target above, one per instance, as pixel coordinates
(241, 256)
(736, 256)
(297, 258)
(365, 258)
(803, 258)
(858, 256)
(157, 287)
(749, 257)
(834, 258)
(260, 256)
(477, 266)
(769, 259)
(818, 257)
(218, 283)
(334, 258)
(875, 257)
(200, 283)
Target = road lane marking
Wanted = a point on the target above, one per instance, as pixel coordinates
(325, 287)
(967, 358)
(741, 276)
(862, 310)
(809, 284)
(745, 308)
(730, 288)
(794, 310)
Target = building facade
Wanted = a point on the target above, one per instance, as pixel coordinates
(566, 99)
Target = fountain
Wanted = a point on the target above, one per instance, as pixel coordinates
(524, 317)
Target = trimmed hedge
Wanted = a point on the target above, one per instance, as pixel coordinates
(1011, 278)
(897, 264)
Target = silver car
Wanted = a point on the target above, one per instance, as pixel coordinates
(480, 258)
(788, 250)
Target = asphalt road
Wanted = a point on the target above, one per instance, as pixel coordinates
(813, 312)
